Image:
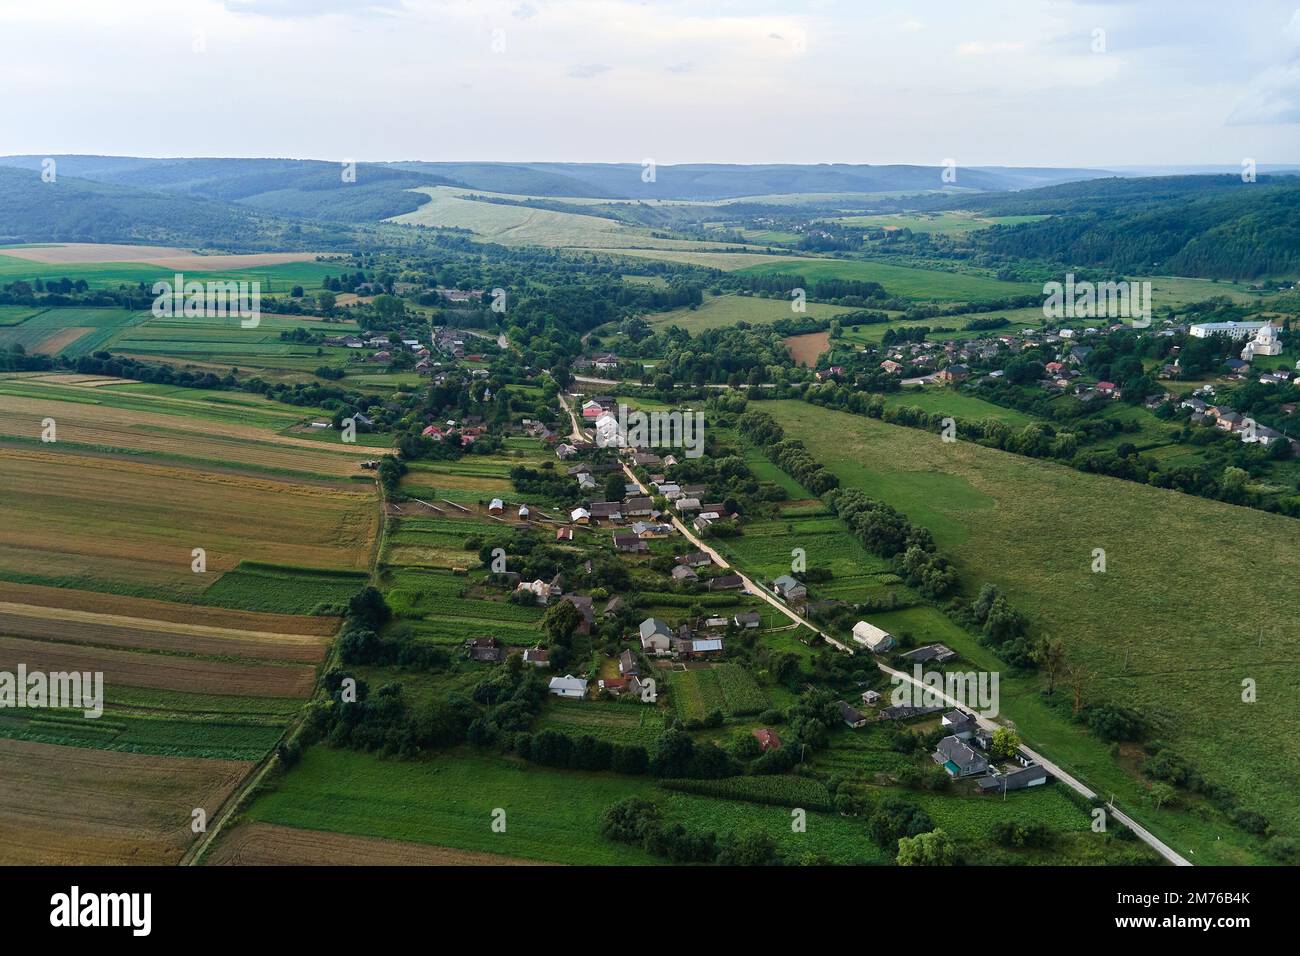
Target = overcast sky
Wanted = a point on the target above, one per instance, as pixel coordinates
(984, 82)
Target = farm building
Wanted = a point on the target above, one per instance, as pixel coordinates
(872, 637)
(851, 715)
(656, 637)
(538, 657)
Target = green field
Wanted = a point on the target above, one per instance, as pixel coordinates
(939, 223)
(55, 331)
(1156, 630)
(723, 310)
(930, 285)
(286, 590)
(274, 279)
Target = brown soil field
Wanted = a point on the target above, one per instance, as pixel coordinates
(121, 605)
(269, 844)
(55, 342)
(161, 671)
(77, 806)
(168, 257)
(124, 521)
(805, 349)
(107, 630)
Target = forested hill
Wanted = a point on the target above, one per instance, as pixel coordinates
(296, 188)
(77, 210)
(1204, 226)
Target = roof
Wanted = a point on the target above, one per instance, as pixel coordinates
(651, 626)
(568, 682)
(850, 714)
(786, 582)
(767, 738)
(955, 751)
(749, 617)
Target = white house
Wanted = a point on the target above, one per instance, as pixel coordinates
(872, 637)
(568, 686)
(656, 636)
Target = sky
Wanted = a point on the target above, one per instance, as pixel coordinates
(980, 82)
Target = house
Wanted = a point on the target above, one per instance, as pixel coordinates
(569, 687)
(538, 657)
(613, 606)
(580, 516)
(789, 588)
(683, 572)
(958, 758)
(767, 739)
(727, 582)
(959, 724)
(639, 507)
(1109, 389)
(940, 653)
(628, 543)
(586, 482)
(591, 411)
(608, 510)
(613, 686)
(565, 451)
(687, 505)
(953, 373)
(871, 697)
(484, 649)
(748, 619)
(627, 664)
(872, 637)
(700, 647)
(1079, 354)
(563, 534)
(645, 459)
(648, 532)
(496, 506)
(826, 375)
(1195, 404)
(523, 512)
(702, 523)
(695, 559)
(656, 637)
(541, 590)
(892, 367)
(1032, 776)
(850, 715)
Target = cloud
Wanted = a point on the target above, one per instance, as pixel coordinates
(303, 9)
(1273, 98)
(981, 48)
(586, 71)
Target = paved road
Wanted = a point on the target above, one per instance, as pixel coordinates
(1145, 835)
(1070, 781)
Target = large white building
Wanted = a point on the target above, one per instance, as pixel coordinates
(1266, 342)
(872, 637)
(1233, 330)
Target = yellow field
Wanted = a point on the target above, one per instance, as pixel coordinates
(115, 520)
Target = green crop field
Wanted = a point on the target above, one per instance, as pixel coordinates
(70, 332)
(1177, 651)
(911, 283)
(723, 310)
(620, 722)
(287, 590)
(940, 223)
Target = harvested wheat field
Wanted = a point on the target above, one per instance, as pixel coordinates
(75, 517)
(70, 805)
(160, 671)
(806, 349)
(132, 633)
(269, 844)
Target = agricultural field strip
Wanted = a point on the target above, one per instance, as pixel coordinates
(63, 625)
(162, 671)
